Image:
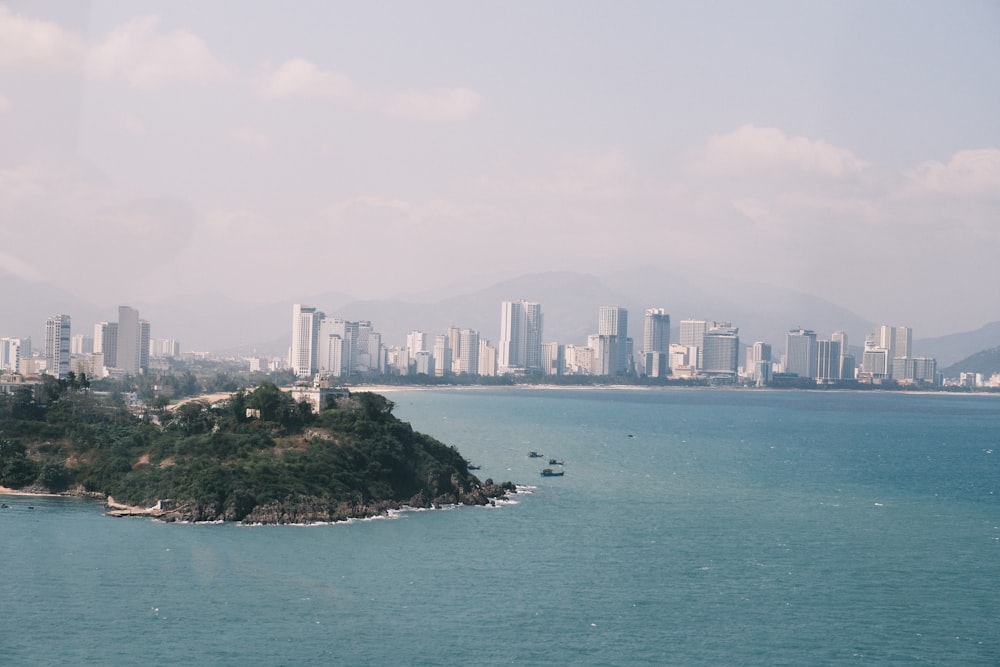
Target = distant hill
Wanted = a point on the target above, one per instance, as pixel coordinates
(986, 362)
(26, 306)
(958, 346)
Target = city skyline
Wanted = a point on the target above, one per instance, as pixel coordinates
(848, 151)
(333, 347)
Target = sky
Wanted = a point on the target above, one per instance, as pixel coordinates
(268, 151)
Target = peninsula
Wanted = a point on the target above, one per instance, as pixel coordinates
(258, 457)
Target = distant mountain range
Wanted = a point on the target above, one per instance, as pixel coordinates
(570, 303)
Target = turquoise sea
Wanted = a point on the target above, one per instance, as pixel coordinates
(691, 527)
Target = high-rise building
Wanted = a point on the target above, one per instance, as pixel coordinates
(656, 331)
(57, 341)
(846, 363)
(721, 349)
(520, 349)
(417, 341)
(468, 352)
(554, 358)
(828, 359)
(81, 344)
(10, 355)
(106, 342)
(902, 342)
(305, 334)
(442, 356)
(128, 353)
(800, 353)
(692, 333)
(876, 360)
(612, 328)
(337, 338)
(144, 338)
(758, 363)
(487, 358)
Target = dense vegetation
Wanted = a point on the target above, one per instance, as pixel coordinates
(215, 462)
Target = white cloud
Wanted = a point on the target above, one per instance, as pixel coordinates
(139, 53)
(302, 79)
(440, 104)
(752, 149)
(4, 104)
(969, 172)
(33, 43)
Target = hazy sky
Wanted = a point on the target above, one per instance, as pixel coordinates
(273, 150)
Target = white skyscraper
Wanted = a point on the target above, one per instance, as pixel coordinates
(656, 331)
(612, 328)
(305, 331)
(520, 348)
(692, 333)
(800, 353)
(10, 355)
(721, 349)
(57, 342)
(442, 356)
(487, 358)
(468, 352)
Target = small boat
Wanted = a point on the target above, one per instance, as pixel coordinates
(472, 467)
(553, 462)
(549, 472)
(534, 455)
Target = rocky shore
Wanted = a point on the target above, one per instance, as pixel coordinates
(312, 509)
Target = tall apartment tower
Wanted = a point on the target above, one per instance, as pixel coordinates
(520, 347)
(417, 341)
(128, 351)
(656, 331)
(305, 331)
(828, 358)
(57, 341)
(612, 327)
(106, 342)
(758, 364)
(442, 356)
(721, 345)
(692, 336)
(800, 353)
(144, 339)
(468, 352)
(10, 355)
(903, 341)
(487, 358)
(340, 338)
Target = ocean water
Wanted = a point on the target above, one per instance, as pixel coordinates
(691, 527)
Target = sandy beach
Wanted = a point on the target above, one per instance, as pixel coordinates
(4, 491)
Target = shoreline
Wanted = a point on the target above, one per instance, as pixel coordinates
(391, 388)
(7, 491)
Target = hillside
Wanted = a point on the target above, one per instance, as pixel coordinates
(985, 362)
(951, 349)
(354, 459)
